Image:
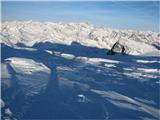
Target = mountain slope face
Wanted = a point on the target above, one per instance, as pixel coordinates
(29, 33)
(60, 71)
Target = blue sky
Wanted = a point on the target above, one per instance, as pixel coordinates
(131, 15)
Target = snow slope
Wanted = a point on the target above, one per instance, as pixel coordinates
(70, 76)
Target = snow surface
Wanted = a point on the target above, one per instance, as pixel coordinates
(62, 71)
(122, 101)
(31, 76)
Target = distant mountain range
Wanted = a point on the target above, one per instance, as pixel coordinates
(29, 33)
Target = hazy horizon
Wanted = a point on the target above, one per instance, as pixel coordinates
(121, 15)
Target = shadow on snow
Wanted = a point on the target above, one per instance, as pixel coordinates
(59, 101)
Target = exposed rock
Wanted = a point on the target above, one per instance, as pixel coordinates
(156, 45)
(117, 48)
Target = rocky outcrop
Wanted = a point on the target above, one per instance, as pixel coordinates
(156, 45)
(117, 48)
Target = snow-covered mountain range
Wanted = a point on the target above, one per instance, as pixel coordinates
(29, 33)
(71, 71)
